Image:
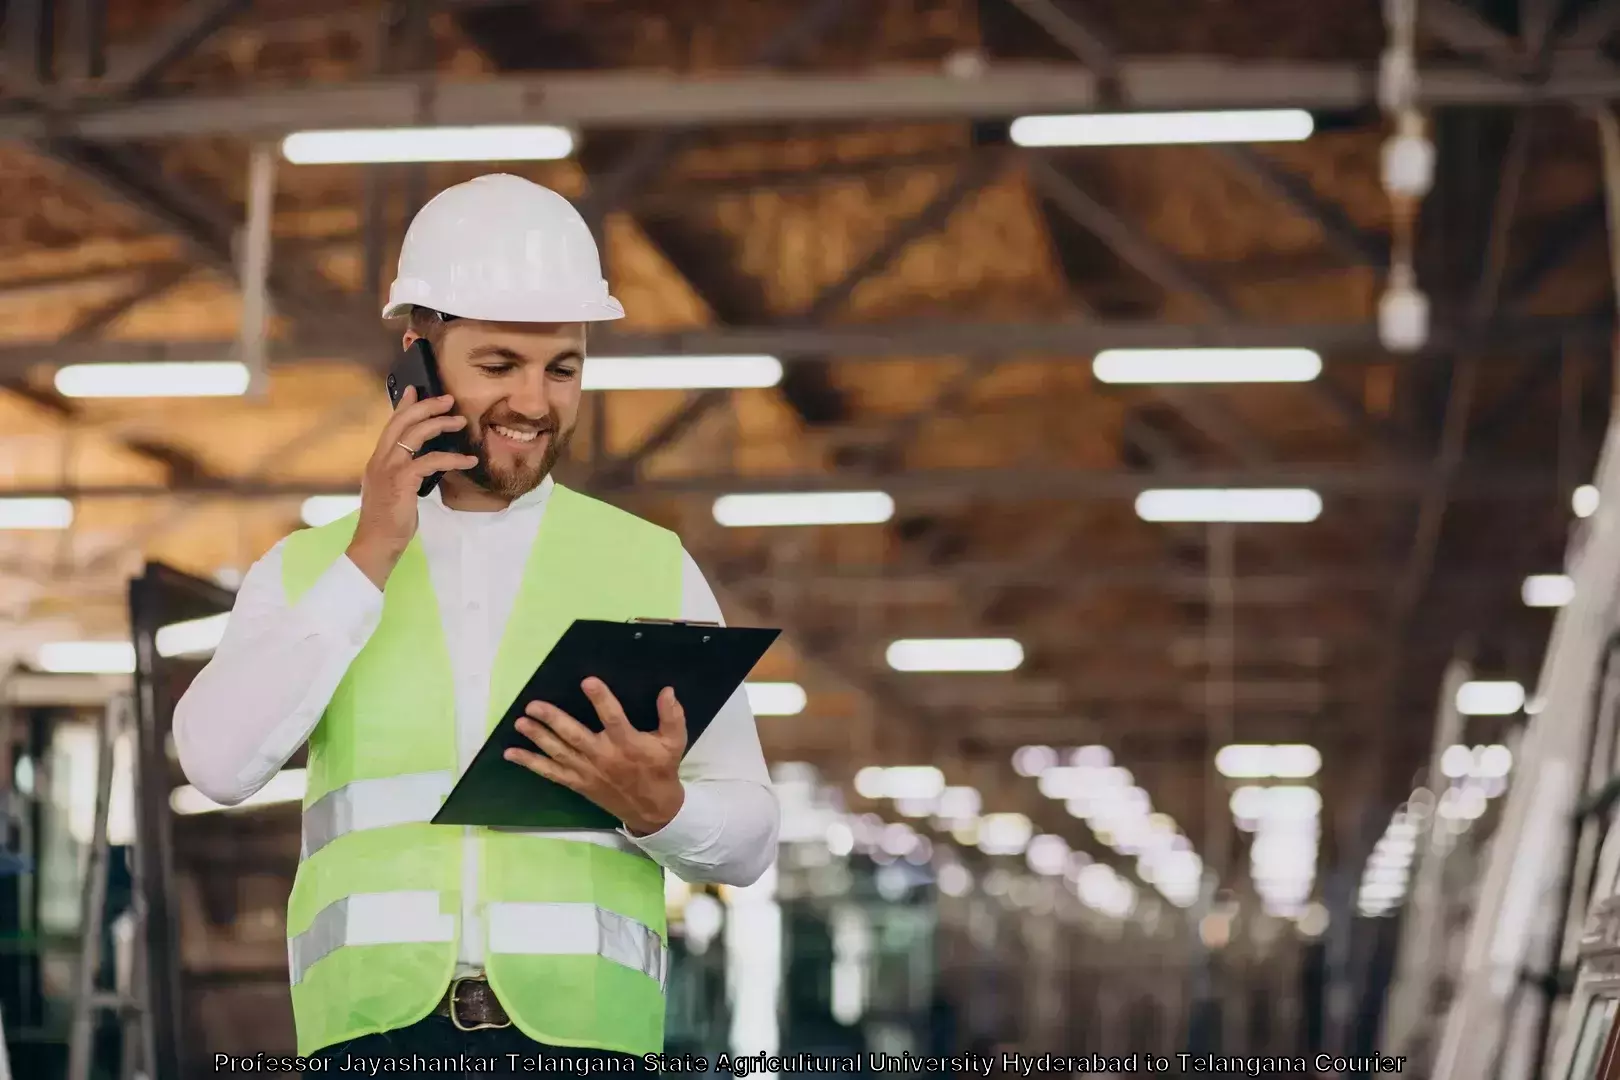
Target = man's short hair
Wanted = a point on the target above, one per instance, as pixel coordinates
(426, 322)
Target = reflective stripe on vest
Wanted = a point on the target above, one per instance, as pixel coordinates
(384, 918)
(374, 804)
(410, 800)
(537, 929)
(549, 929)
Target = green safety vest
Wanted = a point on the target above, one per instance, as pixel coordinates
(576, 946)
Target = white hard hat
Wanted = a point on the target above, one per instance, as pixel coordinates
(502, 249)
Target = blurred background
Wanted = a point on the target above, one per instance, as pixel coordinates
(1169, 434)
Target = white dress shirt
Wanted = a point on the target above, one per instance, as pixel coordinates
(277, 667)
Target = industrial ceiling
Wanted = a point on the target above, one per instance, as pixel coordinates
(834, 184)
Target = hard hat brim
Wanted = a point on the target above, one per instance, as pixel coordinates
(585, 311)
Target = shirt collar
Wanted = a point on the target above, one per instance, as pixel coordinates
(528, 501)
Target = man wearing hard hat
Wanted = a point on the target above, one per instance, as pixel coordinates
(389, 638)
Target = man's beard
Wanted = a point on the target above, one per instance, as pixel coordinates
(511, 483)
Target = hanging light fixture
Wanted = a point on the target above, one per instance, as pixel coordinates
(1408, 173)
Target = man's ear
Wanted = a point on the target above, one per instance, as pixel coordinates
(410, 338)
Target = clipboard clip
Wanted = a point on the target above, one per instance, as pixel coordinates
(676, 622)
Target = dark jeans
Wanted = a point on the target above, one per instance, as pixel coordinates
(500, 1052)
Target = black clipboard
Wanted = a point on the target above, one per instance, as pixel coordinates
(705, 664)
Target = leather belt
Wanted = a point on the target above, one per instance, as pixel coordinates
(471, 1005)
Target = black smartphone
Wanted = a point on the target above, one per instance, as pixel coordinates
(418, 367)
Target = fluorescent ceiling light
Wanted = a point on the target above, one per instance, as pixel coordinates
(321, 510)
(1064, 783)
(1489, 698)
(1293, 761)
(202, 379)
(35, 513)
(1229, 504)
(1387, 875)
(1494, 761)
(1243, 761)
(1457, 762)
(1292, 801)
(1091, 757)
(538, 142)
(1376, 892)
(189, 638)
(681, 372)
(1206, 365)
(958, 803)
(1047, 854)
(1034, 760)
(1004, 834)
(1547, 590)
(776, 698)
(87, 657)
(955, 654)
(1150, 129)
(915, 808)
(286, 786)
(1248, 801)
(193, 637)
(1394, 852)
(1101, 889)
(1585, 501)
(899, 782)
(804, 508)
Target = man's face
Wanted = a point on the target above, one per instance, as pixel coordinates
(518, 385)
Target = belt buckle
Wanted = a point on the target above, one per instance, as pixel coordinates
(455, 985)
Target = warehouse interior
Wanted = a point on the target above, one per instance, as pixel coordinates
(1187, 512)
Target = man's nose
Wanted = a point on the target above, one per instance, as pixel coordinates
(529, 399)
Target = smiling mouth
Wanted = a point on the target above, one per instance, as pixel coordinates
(516, 435)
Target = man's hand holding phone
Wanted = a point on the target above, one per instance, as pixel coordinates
(393, 475)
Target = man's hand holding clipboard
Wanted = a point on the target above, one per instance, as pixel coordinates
(633, 775)
(596, 738)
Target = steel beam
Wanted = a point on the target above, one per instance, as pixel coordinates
(1557, 240)
(1483, 482)
(179, 35)
(1164, 268)
(1063, 339)
(27, 43)
(1594, 26)
(91, 324)
(973, 176)
(1466, 31)
(203, 226)
(884, 579)
(1460, 409)
(84, 54)
(652, 152)
(1343, 235)
(1079, 36)
(976, 342)
(652, 100)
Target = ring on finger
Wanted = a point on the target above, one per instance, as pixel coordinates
(405, 448)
